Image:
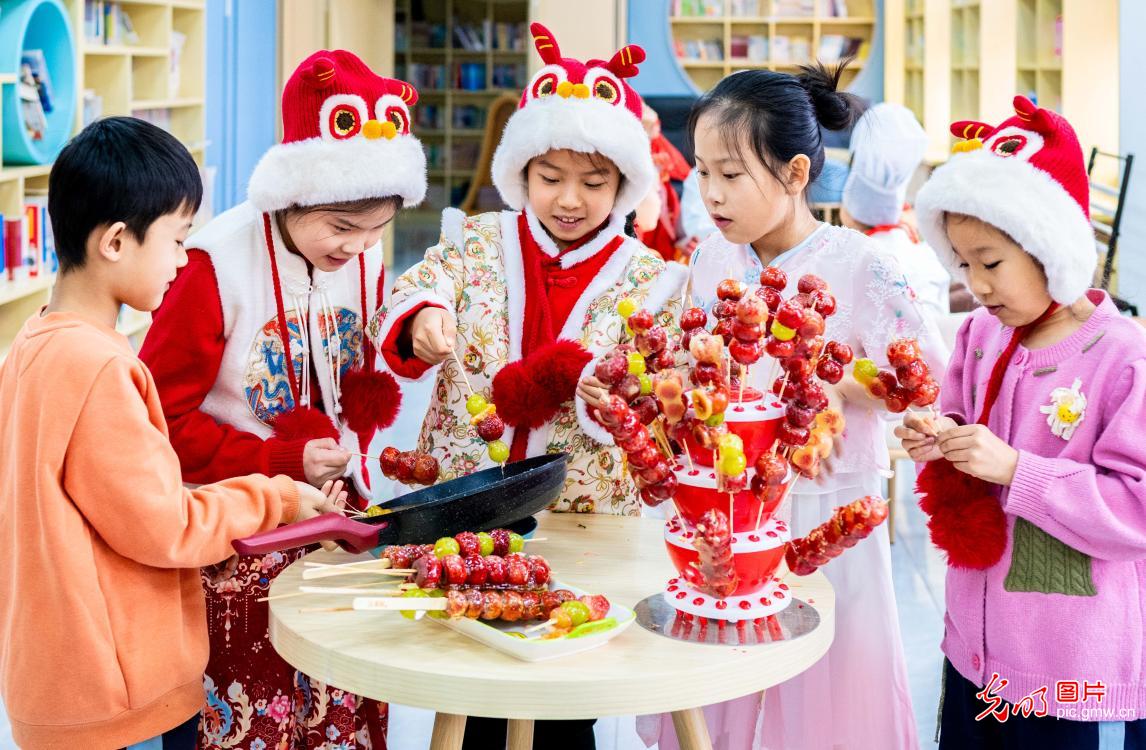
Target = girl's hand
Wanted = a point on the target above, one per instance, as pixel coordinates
(314, 502)
(592, 391)
(324, 460)
(973, 449)
(918, 434)
(433, 333)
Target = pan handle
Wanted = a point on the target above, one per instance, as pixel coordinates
(352, 536)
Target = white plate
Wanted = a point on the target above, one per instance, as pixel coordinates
(533, 647)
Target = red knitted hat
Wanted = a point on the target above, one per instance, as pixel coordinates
(1026, 177)
(581, 106)
(346, 136)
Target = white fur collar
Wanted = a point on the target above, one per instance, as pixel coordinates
(615, 227)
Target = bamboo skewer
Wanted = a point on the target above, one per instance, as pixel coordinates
(319, 589)
(312, 574)
(364, 589)
(462, 371)
(381, 562)
(398, 603)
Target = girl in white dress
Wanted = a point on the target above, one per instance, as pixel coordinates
(758, 146)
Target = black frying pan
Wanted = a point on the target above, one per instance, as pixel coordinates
(488, 499)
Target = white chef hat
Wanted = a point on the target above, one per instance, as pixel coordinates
(887, 146)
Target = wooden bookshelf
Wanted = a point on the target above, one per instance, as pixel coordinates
(131, 79)
(780, 34)
(973, 56)
(965, 27)
(446, 41)
(1039, 59)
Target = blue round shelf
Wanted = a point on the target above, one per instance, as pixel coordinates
(42, 25)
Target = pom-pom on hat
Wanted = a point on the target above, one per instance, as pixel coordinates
(1026, 177)
(581, 106)
(346, 136)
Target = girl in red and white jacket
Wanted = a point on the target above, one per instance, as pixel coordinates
(292, 275)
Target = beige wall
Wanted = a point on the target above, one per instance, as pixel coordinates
(587, 28)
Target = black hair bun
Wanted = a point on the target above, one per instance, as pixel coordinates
(835, 110)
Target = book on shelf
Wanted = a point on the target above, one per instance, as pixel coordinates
(794, 8)
(14, 247)
(791, 49)
(41, 78)
(108, 23)
(31, 108)
(744, 8)
(752, 47)
(160, 118)
(700, 49)
(92, 107)
(838, 8)
(175, 61)
(698, 8)
(469, 38)
(836, 47)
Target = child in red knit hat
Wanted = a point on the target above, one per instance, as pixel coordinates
(292, 276)
(1035, 482)
(525, 299)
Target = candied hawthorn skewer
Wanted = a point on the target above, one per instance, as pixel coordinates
(848, 525)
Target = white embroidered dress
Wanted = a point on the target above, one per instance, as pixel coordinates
(857, 696)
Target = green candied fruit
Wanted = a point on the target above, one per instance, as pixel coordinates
(486, 543)
(516, 542)
(411, 614)
(446, 546)
(578, 612)
(476, 404)
(589, 628)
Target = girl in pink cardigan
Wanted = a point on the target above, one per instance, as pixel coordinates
(1036, 477)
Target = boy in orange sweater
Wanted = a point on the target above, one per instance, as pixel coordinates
(103, 635)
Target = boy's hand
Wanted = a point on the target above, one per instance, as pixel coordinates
(973, 449)
(313, 502)
(324, 460)
(592, 391)
(433, 335)
(919, 435)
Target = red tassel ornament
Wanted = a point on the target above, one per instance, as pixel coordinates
(370, 400)
(517, 396)
(304, 423)
(966, 520)
(529, 393)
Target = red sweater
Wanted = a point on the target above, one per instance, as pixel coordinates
(183, 350)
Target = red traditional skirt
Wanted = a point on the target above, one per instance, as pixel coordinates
(255, 700)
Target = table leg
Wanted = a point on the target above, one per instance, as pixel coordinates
(691, 731)
(521, 734)
(449, 730)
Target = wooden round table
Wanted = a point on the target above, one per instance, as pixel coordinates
(384, 656)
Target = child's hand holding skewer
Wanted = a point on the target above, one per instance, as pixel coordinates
(919, 435)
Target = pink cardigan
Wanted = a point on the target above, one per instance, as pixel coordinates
(1067, 601)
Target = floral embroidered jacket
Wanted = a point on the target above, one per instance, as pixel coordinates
(475, 273)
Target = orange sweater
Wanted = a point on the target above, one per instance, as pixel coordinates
(103, 635)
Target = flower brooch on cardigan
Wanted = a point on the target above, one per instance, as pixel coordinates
(1066, 410)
